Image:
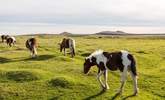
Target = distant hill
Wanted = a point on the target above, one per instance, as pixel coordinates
(112, 33)
(65, 33)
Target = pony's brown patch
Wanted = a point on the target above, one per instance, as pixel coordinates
(114, 60)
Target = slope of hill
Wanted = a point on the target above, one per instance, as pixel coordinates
(53, 76)
(65, 33)
(112, 33)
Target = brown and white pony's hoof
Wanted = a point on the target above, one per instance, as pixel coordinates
(136, 92)
(105, 88)
(119, 92)
(34, 56)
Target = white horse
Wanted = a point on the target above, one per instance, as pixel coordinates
(121, 60)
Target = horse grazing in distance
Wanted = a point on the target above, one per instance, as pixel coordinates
(68, 43)
(122, 60)
(31, 44)
(10, 41)
(4, 37)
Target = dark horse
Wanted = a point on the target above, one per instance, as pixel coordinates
(68, 43)
(10, 41)
(31, 44)
(122, 60)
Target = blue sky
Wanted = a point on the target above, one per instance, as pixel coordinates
(148, 13)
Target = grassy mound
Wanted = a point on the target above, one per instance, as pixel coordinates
(21, 76)
(63, 82)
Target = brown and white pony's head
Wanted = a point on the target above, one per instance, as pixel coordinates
(4, 37)
(64, 44)
(91, 60)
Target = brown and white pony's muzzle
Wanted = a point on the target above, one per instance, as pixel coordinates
(86, 68)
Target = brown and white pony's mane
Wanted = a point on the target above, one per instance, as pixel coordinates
(96, 53)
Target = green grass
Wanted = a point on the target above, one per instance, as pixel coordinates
(52, 76)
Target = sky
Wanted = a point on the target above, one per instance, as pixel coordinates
(86, 15)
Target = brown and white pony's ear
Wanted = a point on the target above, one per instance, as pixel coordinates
(85, 59)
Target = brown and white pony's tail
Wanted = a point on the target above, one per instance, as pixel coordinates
(34, 50)
(72, 47)
(133, 65)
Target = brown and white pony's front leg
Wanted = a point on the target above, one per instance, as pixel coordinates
(99, 78)
(64, 51)
(106, 79)
(134, 78)
(123, 79)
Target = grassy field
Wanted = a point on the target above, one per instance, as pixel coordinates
(52, 76)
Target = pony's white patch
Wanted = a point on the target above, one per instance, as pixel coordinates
(98, 54)
(71, 43)
(74, 44)
(126, 62)
(13, 38)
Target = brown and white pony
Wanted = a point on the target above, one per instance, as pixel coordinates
(122, 60)
(31, 44)
(68, 43)
(4, 37)
(11, 41)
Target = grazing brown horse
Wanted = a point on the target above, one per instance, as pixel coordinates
(10, 41)
(4, 37)
(31, 44)
(122, 60)
(68, 43)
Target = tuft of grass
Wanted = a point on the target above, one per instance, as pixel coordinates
(63, 82)
(21, 76)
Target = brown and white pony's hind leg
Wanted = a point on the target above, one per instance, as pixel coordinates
(123, 79)
(34, 52)
(72, 51)
(134, 78)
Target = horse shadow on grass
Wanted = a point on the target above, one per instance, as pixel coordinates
(113, 97)
(129, 96)
(39, 58)
(96, 95)
(5, 60)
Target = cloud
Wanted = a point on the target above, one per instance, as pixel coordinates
(97, 12)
